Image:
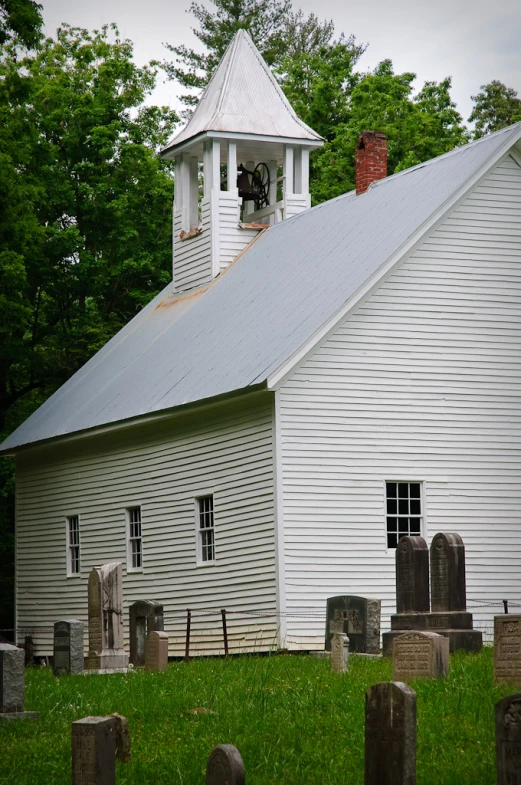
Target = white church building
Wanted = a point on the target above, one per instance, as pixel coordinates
(314, 383)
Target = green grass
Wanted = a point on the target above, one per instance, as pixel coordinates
(293, 721)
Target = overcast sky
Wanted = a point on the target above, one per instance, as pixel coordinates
(474, 41)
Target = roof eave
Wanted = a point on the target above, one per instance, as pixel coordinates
(176, 149)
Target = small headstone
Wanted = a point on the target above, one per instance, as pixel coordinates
(390, 734)
(105, 611)
(144, 616)
(225, 766)
(412, 575)
(507, 648)
(156, 651)
(358, 618)
(339, 652)
(448, 591)
(420, 655)
(508, 740)
(122, 738)
(68, 646)
(12, 684)
(94, 751)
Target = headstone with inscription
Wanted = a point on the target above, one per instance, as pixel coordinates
(12, 684)
(156, 651)
(508, 740)
(448, 588)
(420, 655)
(412, 575)
(358, 618)
(225, 766)
(105, 612)
(507, 648)
(144, 616)
(339, 652)
(68, 647)
(390, 734)
(96, 743)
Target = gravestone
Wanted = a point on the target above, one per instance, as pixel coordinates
(96, 743)
(225, 766)
(144, 616)
(12, 684)
(156, 651)
(448, 590)
(105, 611)
(507, 648)
(412, 575)
(390, 734)
(420, 655)
(68, 647)
(358, 618)
(508, 740)
(339, 652)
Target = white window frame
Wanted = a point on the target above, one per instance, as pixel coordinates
(70, 546)
(132, 537)
(200, 544)
(422, 516)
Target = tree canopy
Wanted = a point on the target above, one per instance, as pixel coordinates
(21, 19)
(495, 107)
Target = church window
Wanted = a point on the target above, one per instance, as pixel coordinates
(134, 548)
(73, 544)
(404, 510)
(205, 530)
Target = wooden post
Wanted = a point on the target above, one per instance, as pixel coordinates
(187, 647)
(29, 651)
(225, 632)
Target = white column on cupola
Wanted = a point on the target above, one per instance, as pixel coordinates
(273, 170)
(304, 169)
(212, 190)
(249, 205)
(194, 192)
(231, 181)
(288, 170)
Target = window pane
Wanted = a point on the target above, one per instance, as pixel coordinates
(392, 540)
(415, 525)
(392, 524)
(415, 507)
(403, 506)
(391, 490)
(403, 490)
(415, 490)
(403, 526)
(391, 506)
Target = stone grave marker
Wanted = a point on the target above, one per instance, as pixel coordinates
(412, 575)
(156, 651)
(448, 590)
(358, 618)
(390, 734)
(225, 766)
(105, 612)
(144, 616)
(508, 740)
(96, 743)
(12, 684)
(420, 655)
(339, 652)
(507, 648)
(68, 647)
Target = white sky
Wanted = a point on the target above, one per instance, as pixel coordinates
(474, 41)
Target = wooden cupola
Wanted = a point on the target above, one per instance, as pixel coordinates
(242, 163)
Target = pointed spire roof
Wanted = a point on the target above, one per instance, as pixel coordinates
(243, 97)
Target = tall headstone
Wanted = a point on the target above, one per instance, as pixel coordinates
(390, 734)
(68, 647)
(225, 766)
(156, 651)
(105, 612)
(412, 575)
(420, 655)
(339, 652)
(358, 618)
(448, 590)
(507, 648)
(12, 684)
(144, 617)
(96, 743)
(508, 740)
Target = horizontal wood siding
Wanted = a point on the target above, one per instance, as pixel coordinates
(227, 452)
(295, 204)
(423, 382)
(193, 257)
(232, 238)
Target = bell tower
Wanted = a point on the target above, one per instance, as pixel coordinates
(241, 165)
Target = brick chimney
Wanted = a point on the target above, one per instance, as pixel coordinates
(370, 159)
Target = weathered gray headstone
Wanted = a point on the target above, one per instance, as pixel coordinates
(96, 743)
(508, 740)
(412, 575)
(420, 655)
(144, 616)
(12, 684)
(68, 646)
(156, 651)
(448, 591)
(358, 618)
(339, 652)
(507, 648)
(225, 766)
(105, 612)
(390, 734)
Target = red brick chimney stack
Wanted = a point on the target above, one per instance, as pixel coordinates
(370, 159)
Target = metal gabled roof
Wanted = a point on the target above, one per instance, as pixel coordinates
(236, 332)
(244, 97)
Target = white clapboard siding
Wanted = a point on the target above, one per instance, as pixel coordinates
(295, 204)
(226, 451)
(232, 237)
(422, 382)
(193, 256)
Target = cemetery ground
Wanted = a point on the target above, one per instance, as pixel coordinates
(292, 719)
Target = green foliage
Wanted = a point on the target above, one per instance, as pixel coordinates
(292, 719)
(21, 19)
(495, 107)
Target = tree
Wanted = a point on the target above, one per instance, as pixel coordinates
(495, 107)
(21, 18)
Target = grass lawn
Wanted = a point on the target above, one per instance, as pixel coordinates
(293, 721)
